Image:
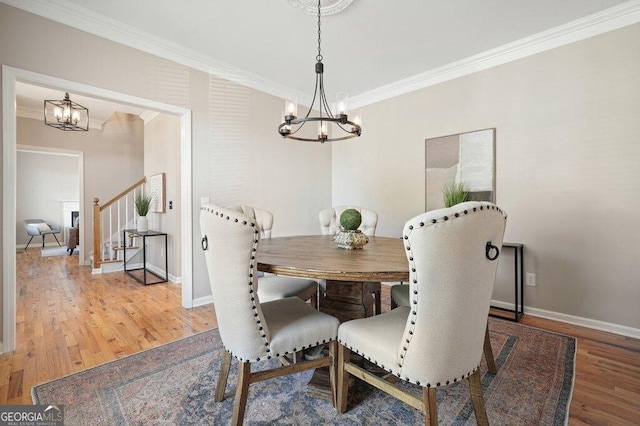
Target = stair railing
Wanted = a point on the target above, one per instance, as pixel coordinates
(104, 222)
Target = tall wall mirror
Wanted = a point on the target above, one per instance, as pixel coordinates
(464, 158)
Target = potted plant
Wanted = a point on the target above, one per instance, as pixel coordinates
(143, 205)
(455, 193)
(350, 237)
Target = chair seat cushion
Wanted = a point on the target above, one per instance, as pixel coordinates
(294, 325)
(273, 287)
(377, 338)
(400, 294)
(40, 226)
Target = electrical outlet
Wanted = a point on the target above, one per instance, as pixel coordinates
(204, 200)
(531, 279)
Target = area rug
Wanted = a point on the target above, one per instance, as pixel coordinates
(175, 384)
(57, 251)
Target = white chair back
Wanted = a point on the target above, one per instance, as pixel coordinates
(451, 282)
(231, 240)
(263, 218)
(330, 220)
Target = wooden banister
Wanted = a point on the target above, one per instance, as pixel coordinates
(97, 235)
(123, 193)
(97, 221)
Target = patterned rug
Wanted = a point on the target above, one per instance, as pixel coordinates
(175, 384)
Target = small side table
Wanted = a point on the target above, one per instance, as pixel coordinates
(518, 282)
(144, 235)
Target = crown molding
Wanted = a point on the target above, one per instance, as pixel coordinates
(88, 21)
(148, 115)
(599, 23)
(37, 114)
(625, 14)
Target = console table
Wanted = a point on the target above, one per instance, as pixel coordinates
(132, 233)
(518, 282)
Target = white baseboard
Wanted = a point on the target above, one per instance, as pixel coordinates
(622, 330)
(38, 244)
(200, 301)
(160, 272)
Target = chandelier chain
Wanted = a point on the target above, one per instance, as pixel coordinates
(319, 57)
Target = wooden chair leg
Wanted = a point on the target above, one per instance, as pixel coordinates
(488, 353)
(333, 353)
(343, 379)
(242, 392)
(475, 387)
(223, 375)
(430, 405)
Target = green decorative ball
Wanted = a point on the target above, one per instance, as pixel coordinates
(350, 219)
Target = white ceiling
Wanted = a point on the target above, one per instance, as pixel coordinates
(370, 45)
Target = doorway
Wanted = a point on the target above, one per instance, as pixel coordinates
(34, 193)
(10, 76)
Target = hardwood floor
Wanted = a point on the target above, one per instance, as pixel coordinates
(69, 320)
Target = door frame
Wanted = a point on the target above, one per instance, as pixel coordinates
(79, 156)
(10, 76)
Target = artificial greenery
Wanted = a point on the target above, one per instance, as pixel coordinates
(455, 193)
(350, 219)
(143, 204)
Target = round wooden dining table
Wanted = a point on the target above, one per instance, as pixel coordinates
(352, 276)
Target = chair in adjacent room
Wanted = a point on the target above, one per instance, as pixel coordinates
(438, 339)
(273, 287)
(330, 225)
(38, 227)
(251, 331)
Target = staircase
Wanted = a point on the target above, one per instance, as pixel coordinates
(109, 219)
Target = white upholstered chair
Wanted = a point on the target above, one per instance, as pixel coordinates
(330, 220)
(252, 331)
(438, 339)
(330, 225)
(400, 297)
(274, 287)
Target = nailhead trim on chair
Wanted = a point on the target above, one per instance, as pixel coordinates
(415, 301)
(251, 291)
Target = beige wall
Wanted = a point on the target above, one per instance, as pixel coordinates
(162, 155)
(43, 180)
(568, 155)
(113, 158)
(292, 180)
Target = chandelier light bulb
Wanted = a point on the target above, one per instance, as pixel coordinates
(342, 103)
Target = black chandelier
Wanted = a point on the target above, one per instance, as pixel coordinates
(66, 115)
(348, 128)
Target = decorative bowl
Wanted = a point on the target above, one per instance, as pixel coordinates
(350, 239)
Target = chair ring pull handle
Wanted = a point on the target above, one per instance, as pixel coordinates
(205, 243)
(488, 249)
